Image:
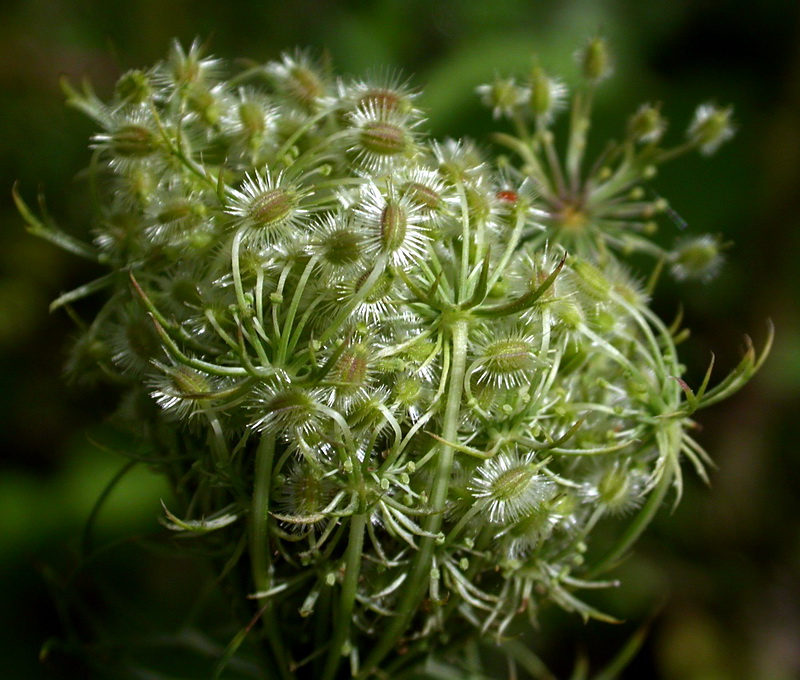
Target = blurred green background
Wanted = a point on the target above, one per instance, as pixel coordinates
(719, 578)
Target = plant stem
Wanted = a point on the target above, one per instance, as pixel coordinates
(342, 625)
(259, 545)
(420, 570)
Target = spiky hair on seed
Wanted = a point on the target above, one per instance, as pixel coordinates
(385, 89)
(300, 79)
(510, 486)
(505, 358)
(380, 141)
(393, 222)
(181, 391)
(267, 207)
(339, 241)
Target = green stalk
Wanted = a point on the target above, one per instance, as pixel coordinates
(420, 570)
(513, 242)
(342, 625)
(236, 270)
(261, 563)
(579, 129)
(290, 315)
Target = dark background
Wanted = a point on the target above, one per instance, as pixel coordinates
(718, 577)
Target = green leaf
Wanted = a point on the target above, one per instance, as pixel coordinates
(45, 228)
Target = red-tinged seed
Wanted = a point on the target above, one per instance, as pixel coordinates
(423, 195)
(385, 139)
(393, 226)
(270, 207)
(508, 195)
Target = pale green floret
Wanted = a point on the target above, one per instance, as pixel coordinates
(698, 258)
(711, 127)
(595, 60)
(547, 95)
(647, 124)
(252, 118)
(506, 361)
(286, 411)
(502, 95)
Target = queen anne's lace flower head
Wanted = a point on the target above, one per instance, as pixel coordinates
(401, 381)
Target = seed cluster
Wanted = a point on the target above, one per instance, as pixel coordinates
(409, 379)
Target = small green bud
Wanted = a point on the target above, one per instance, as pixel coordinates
(133, 141)
(547, 95)
(613, 487)
(385, 99)
(133, 87)
(647, 124)
(352, 368)
(711, 127)
(502, 95)
(286, 410)
(567, 312)
(342, 247)
(252, 118)
(508, 356)
(697, 258)
(190, 383)
(304, 85)
(595, 60)
(590, 279)
(423, 195)
(203, 102)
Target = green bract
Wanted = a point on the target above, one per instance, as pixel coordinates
(408, 380)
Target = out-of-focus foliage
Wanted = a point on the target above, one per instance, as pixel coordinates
(722, 572)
